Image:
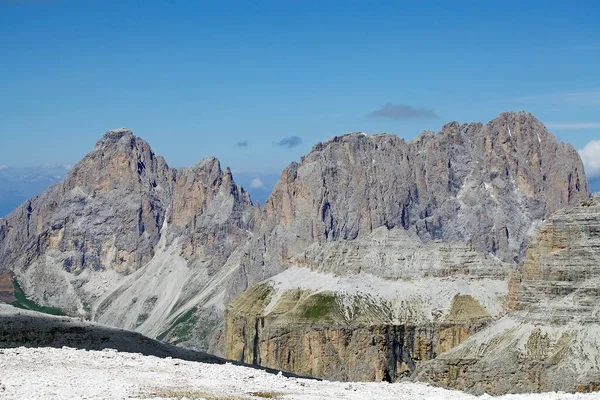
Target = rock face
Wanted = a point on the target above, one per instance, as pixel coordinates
(472, 183)
(7, 294)
(368, 309)
(549, 342)
(126, 240)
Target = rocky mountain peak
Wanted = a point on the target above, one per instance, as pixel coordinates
(209, 163)
(114, 136)
(481, 184)
(122, 215)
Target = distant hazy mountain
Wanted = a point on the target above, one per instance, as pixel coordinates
(17, 184)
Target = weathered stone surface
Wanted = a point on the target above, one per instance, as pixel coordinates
(549, 342)
(109, 210)
(560, 276)
(128, 241)
(346, 353)
(7, 293)
(481, 184)
(367, 309)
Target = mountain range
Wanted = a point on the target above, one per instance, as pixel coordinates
(371, 256)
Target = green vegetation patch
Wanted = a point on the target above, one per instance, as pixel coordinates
(538, 345)
(254, 300)
(319, 306)
(23, 302)
(182, 327)
(465, 309)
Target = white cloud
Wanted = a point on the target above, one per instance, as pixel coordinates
(3, 166)
(572, 125)
(257, 184)
(590, 155)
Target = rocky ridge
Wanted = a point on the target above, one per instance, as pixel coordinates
(128, 241)
(485, 185)
(368, 309)
(549, 341)
(411, 227)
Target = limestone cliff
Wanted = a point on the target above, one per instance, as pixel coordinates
(367, 309)
(480, 184)
(126, 240)
(549, 342)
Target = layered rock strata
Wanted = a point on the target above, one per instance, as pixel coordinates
(485, 185)
(549, 342)
(126, 240)
(368, 309)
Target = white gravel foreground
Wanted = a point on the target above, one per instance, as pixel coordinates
(49, 373)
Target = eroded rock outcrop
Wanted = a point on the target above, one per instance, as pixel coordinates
(7, 293)
(127, 241)
(549, 342)
(368, 309)
(480, 184)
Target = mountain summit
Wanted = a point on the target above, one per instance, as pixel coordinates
(128, 241)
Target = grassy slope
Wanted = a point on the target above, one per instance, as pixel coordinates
(27, 304)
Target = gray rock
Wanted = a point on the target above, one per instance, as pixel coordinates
(485, 185)
(130, 242)
(94, 244)
(549, 342)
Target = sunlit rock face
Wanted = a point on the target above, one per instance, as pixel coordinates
(128, 241)
(485, 185)
(550, 339)
(367, 309)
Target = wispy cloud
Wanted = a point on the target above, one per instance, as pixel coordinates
(578, 98)
(244, 143)
(289, 142)
(257, 184)
(590, 155)
(402, 111)
(572, 125)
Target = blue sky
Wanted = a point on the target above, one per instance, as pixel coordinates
(256, 83)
